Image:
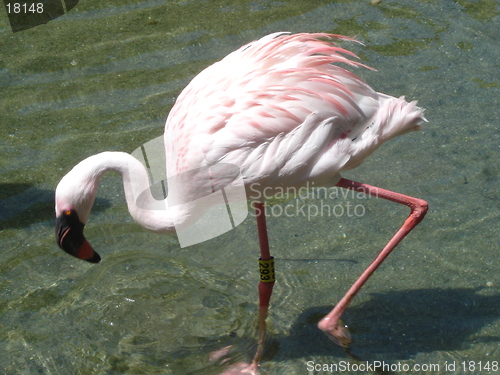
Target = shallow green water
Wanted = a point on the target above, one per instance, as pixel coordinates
(104, 77)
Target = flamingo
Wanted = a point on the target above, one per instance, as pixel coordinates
(286, 114)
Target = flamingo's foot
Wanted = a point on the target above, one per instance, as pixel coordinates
(218, 354)
(241, 369)
(336, 331)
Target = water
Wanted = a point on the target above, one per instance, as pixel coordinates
(104, 77)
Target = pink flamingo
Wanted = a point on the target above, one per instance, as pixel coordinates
(280, 110)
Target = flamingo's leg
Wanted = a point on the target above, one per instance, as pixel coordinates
(265, 291)
(265, 288)
(330, 323)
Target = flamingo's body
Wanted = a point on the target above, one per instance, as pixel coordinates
(282, 112)
(277, 108)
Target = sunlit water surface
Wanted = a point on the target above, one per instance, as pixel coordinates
(105, 76)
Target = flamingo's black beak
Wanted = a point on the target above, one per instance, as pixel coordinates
(70, 238)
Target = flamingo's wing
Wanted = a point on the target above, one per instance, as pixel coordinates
(278, 108)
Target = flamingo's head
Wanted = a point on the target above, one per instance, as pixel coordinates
(75, 196)
(70, 238)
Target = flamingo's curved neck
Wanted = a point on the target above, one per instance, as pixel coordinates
(152, 214)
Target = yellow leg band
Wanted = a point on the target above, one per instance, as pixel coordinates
(266, 269)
